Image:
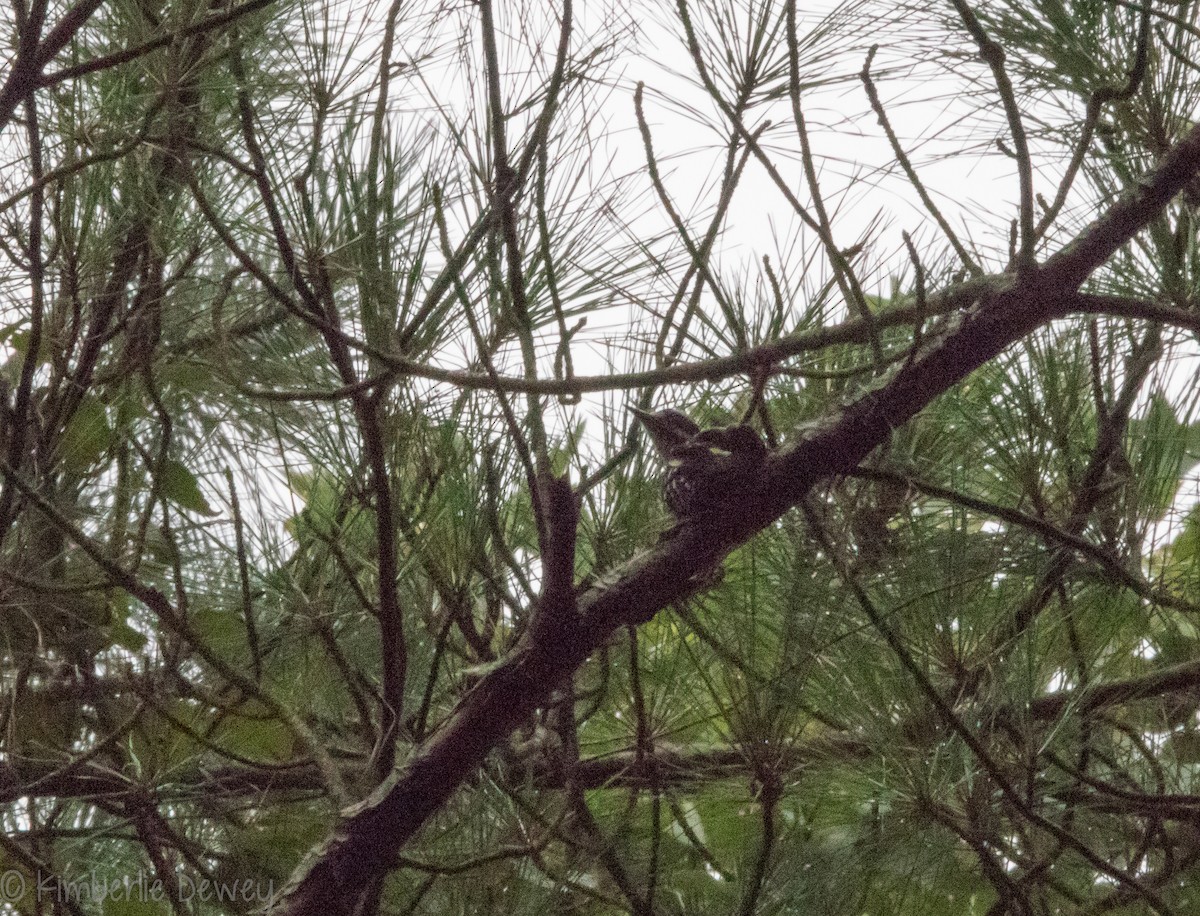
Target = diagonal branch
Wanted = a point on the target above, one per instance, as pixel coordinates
(365, 843)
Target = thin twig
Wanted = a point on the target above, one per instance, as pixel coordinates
(911, 173)
(993, 55)
(847, 279)
(1095, 107)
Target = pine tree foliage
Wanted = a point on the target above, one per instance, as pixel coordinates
(335, 576)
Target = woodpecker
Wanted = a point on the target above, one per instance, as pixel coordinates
(706, 468)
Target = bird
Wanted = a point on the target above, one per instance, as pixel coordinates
(706, 468)
(668, 429)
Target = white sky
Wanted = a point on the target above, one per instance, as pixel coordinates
(976, 188)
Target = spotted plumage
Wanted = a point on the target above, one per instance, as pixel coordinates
(705, 468)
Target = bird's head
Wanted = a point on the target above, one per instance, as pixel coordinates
(669, 429)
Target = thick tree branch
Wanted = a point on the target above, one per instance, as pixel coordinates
(366, 842)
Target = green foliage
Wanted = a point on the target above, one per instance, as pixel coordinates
(288, 360)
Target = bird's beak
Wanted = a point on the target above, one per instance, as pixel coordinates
(648, 420)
